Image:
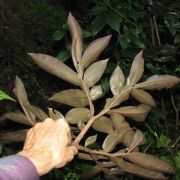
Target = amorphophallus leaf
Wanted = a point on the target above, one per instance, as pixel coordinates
(71, 97)
(94, 50)
(55, 67)
(77, 114)
(143, 97)
(94, 72)
(138, 113)
(117, 81)
(103, 124)
(158, 82)
(137, 70)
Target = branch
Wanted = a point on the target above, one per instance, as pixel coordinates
(82, 148)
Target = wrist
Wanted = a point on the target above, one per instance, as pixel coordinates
(40, 159)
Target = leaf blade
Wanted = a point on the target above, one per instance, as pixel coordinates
(137, 70)
(77, 114)
(71, 97)
(158, 82)
(55, 67)
(117, 80)
(94, 49)
(94, 72)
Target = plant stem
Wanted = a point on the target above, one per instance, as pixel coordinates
(82, 148)
(175, 109)
(104, 111)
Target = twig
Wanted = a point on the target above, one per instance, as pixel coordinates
(176, 141)
(108, 5)
(152, 31)
(157, 31)
(165, 118)
(175, 109)
(104, 111)
(82, 148)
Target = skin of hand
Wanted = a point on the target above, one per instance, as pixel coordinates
(47, 145)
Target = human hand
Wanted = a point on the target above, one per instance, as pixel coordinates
(47, 145)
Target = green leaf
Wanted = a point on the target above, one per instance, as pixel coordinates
(113, 20)
(177, 160)
(5, 96)
(124, 42)
(58, 35)
(63, 56)
(71, 97)
(97, 24)
(137, 42)
(163, 141)
(97, 10)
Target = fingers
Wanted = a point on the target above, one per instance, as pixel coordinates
(68, 156)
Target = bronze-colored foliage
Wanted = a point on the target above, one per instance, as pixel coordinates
(109, 120)
(72, 97)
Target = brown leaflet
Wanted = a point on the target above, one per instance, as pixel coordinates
(90, 140)
(71, 97)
